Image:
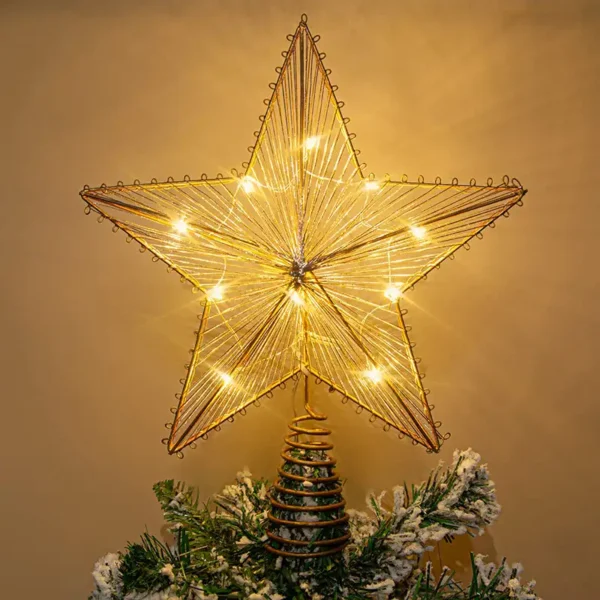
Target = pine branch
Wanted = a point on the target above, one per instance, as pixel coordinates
(219, 549)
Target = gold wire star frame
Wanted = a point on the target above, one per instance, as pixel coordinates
(302, 261)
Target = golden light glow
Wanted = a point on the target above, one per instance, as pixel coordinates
(248, 184)
(216, 293)
(392, 293)
(311, 143)
(296, 298)
(227, 379)
(312, 230)
(180, 226)
(374, 374)
(418, 232)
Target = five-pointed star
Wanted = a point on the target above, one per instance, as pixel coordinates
(301, 260)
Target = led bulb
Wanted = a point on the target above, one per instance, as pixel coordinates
(180, 226)
(371, 185)
(227, 379)
(311, 142)
(215, 293)
(392, 293)
(374, 374)
(296, 298)
(418, 232)
(247, 184)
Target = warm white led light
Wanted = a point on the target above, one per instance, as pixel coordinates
(418, 232)
(392, 293)
(374, 374)
(227, 379)
(215, 293)
(311, 143)
(248, 184)
(296, 298)
(180, 226)
(371, 185)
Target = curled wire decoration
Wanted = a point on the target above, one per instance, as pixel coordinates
(311, 246)
(307, 500)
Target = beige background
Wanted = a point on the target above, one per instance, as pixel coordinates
(95, 335)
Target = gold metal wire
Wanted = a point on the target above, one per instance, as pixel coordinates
(302, 438)
(301, 260)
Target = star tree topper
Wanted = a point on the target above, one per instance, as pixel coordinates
(302, 261)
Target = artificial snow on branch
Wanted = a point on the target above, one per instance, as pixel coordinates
(219, 550)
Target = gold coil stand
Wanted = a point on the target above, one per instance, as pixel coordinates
(307, 486)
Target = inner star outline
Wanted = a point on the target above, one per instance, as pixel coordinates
(302, 260)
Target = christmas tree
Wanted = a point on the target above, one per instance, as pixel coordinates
(223, 550)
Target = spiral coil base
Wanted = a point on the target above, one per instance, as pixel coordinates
(307, 517)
